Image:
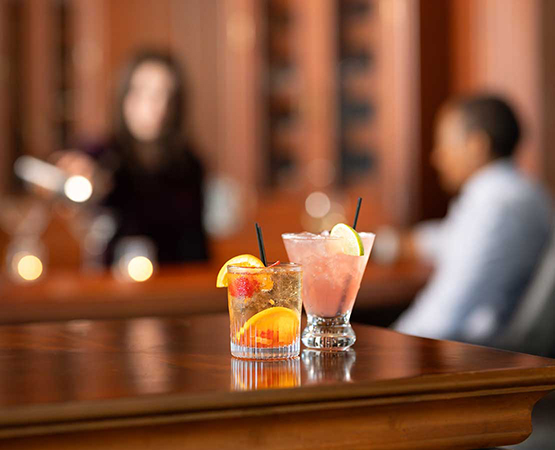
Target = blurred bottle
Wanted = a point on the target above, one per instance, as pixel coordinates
(97, 236)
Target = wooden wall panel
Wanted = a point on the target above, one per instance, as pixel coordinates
(5, 142)
(241, 103)
(132, 25)
(435, 76)
(317, 62)
(195, 40)
(463, 44)
(399, 106)
(38, 75)
(90, 77)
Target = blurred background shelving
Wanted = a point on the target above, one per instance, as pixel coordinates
(288, 97)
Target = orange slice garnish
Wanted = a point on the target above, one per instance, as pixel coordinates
(241, 260)
(273, 327)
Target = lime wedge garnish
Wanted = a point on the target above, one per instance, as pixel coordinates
(352, 243)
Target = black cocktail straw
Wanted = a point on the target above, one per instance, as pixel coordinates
(260, 243)
(356, 214)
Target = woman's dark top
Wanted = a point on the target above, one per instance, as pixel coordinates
(165, 205)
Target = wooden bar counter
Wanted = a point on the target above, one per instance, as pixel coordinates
(170, 383)
(173, 290)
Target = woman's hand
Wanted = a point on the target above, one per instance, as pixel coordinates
(75, 162)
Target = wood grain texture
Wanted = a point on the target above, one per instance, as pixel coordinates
(189, 289)
(171, 383)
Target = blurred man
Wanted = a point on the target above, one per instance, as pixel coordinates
(487, 247)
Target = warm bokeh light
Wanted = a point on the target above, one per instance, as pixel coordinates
(78, 189)
(29, 267)
(140, 268)
(317, 204)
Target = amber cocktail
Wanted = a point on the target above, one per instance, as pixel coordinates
(265, 311)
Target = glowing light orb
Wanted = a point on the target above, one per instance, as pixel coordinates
(29, 267)
(140, 268)
(78, 189)
(317, 204)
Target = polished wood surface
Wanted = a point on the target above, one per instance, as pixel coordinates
(155, 383)
(179, 290)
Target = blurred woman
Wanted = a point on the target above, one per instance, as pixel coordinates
(148, 172)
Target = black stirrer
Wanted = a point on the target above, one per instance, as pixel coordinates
(260, 243)
(356, 214)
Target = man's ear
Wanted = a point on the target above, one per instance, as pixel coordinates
(478, 148)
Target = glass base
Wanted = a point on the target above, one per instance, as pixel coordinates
(244, 352)
(333, 334)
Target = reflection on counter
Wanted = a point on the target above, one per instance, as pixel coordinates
(328, 366)
(249, 375)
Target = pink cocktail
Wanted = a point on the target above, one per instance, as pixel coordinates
(331, 280)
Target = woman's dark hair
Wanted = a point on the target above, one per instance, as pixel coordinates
(171, 136)
(493, 116)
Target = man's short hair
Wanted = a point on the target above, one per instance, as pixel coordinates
(493, 116)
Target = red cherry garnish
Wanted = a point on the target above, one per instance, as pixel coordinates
(243, 287)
